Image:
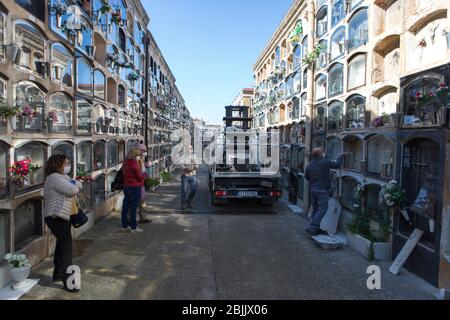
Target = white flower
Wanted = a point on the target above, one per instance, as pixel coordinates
(8, 256)
(393, 182)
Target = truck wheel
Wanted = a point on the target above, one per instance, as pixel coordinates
(264, 202)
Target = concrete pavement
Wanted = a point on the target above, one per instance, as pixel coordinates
(241, 251)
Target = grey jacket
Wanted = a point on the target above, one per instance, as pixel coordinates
(58, 195)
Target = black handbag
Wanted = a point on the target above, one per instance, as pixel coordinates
(80, 219)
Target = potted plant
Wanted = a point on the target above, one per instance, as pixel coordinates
(133, 76)
(369, 230)
(20, 269)
(166, 176)
(11, 113)
(116, 18)
(58, 9)
(151, 184)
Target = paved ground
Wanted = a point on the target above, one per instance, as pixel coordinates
(241, 251)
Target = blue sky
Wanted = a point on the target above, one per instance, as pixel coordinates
(211, 46)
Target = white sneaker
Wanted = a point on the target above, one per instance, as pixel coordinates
(127, 229)
(137, 230)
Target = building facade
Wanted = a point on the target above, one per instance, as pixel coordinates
(376, 89)
(77, 71)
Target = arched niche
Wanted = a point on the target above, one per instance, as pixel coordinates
(99, 190)
(31, 43)
(84, 157)
(99, 156)
(28, 222)
(335, 119)
(62, 64)
(30, 100)
(424, 41)
(36, 152)
(61, 106)
(100, 49)
(353, 147)
(319, 117)
(5, 233)
(113, 153)
(4, 174)
(112, 91)
(384, 107)
(386, 59)
(334, 148)
(349, 184)
(380, 153)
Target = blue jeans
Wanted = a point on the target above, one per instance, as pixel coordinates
(193, 184)
(320, 207)
(132, 196)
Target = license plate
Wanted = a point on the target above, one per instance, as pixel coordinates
(248, 194)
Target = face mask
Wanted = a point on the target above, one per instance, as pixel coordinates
(138, 158)
(67, 169)
(145, 154)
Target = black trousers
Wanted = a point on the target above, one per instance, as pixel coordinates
(61, 229)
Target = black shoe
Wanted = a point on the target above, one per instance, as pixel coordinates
(322, 232)
(58, 276)
(312, 231)
(189, 205)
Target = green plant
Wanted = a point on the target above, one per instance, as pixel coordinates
(17, 260)
(166, 176)
(312, 57)
(392, 195)
(150, 182)
(371, 253)
(7, 111)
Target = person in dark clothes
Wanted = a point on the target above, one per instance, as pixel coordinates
(318, 175)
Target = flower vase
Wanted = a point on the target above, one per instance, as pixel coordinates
(20, 276)
(58, 20)
(13, 122)
(405, 214)
(49, 125)
(447, 36)
(22, 122)
(79, 37)
(432, 224)
(58, 73)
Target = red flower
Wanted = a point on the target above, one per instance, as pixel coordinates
(418, 94)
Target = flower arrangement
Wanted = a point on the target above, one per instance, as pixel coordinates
(83, 176)
(358, 193)
(424, 98)
(381, 120)
(17, 260)
(422, 43)
(112, 57)
(52, 116)
(28, 112)
(116, 18)
(19, 172)
(58, 8)
(105, 8)
(7, 111)
(392, 195)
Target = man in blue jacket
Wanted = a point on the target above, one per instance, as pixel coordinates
(318, 175)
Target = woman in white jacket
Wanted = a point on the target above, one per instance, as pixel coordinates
(59, 200)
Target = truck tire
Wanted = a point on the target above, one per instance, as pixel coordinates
(265, 202)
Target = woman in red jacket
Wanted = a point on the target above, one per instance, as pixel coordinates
(133, 181)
